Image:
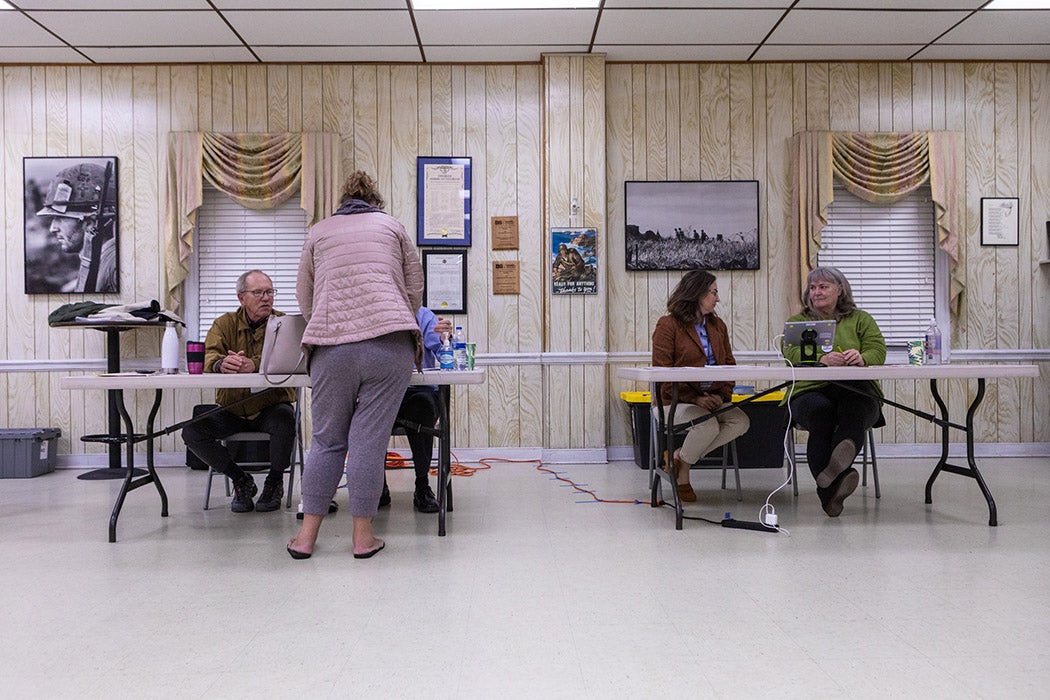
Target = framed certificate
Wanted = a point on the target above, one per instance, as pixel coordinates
(443, 201)
(999, 220)
(445, 281)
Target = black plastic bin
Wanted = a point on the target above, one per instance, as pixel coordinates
(761, 447)
(638, 403)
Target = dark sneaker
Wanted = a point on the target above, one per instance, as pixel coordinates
(270, 499)
(243, 493)
(424, 501)
(384, 498)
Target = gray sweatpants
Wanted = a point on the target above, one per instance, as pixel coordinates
(357, 388)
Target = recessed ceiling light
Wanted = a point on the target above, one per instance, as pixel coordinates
(501, 4)
(1017, 5)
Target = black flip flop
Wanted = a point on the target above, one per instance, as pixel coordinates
(366, 555)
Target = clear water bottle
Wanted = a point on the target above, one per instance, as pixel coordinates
(446, 358)
(459, 348)
(933, 343)
(169, 350)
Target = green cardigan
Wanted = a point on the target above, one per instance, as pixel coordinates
(859, 331)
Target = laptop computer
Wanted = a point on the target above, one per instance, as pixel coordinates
(282, 350)
(820, 333)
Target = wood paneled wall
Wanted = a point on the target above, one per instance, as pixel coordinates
(732, 121)
(540, 135)
(574, 154)
(387, 115)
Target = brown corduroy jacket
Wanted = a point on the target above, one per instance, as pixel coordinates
(678, 344)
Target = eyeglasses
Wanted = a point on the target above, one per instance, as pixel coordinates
(259, 293)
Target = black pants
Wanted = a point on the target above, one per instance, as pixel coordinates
(832, 414)
(202, 439)
(420, 406)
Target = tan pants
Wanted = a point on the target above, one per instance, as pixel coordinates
(709, 435)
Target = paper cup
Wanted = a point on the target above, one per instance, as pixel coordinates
(916, 352)
(471, 347)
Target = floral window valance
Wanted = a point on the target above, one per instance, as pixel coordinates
(879, 168)
(257, 170)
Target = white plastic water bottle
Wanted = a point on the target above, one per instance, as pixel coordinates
(169, 350)
(459, 348)
(446, 358)
(933, 343)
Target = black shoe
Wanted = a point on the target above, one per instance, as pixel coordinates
(270, 499)
(832, 497)
(384, 498)
(243, 493)
(424, 501)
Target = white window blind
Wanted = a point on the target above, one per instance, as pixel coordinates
(887, 253)
(232, 239)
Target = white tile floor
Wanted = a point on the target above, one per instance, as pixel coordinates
(533, 593)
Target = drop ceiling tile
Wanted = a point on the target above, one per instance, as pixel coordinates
(985, 52)
(58, 54)
(96, 5)
(700, 4)
(869, 27)
(656, 52)
(339, 54)
(835, 52)
(326, 27)
(497, 54)
(1027, 27)
(16, 30)
(541, 27)
(311, 4)
(170, 54)
(894, 4)
(148, 28)
(685, 26)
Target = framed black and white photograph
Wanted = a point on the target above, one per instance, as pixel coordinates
(70, 216)
(443, 201)
(999, 220)
(691, 225)
(445, 281)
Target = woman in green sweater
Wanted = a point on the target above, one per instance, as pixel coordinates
(837, 417)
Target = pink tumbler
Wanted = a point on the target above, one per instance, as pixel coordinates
(195, 357)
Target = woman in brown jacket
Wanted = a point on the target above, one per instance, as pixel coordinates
(692, 335)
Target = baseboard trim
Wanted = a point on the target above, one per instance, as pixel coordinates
(619, 453)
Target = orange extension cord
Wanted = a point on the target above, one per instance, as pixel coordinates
(396, 461)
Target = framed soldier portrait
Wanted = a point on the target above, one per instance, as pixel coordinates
(70, 215)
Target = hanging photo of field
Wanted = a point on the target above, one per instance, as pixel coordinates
(692, 225)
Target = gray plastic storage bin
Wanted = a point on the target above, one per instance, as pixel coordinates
(26, 452)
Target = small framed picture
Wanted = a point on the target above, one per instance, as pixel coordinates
(574, 261)
(443, 201)
(71, 244)
(445, 281)
(999, 220)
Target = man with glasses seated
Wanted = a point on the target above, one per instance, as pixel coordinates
(234, 345)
